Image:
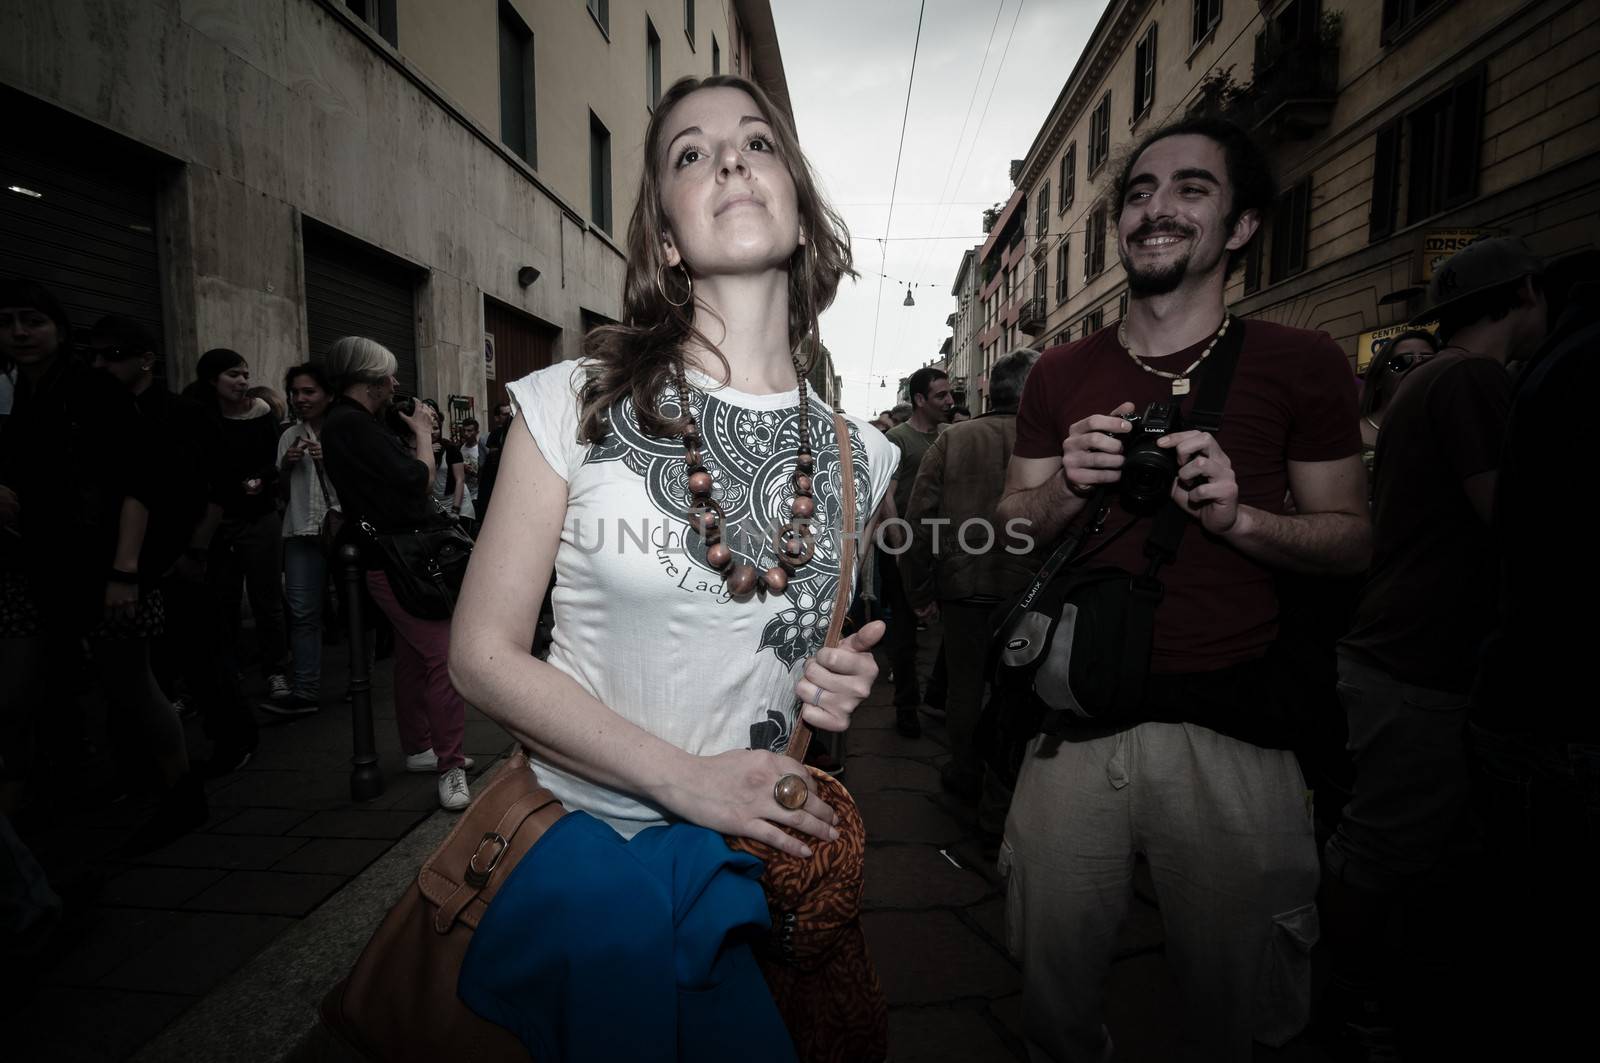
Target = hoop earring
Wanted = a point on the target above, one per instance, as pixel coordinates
(662, 288)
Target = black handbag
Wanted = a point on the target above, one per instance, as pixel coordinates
(1072, 650)
(425, 565)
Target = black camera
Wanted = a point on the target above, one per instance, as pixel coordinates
(400, 405)
(1147, 469)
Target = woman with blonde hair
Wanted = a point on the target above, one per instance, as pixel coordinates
(386, 482)
(678, 669)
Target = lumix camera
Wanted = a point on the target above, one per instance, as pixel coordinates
(1148, 470)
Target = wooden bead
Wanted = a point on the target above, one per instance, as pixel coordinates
(776, 578)
(719, 557)
(706, 522)
(802, 507)
(805, 462)
(700, 483)
(802, 484)
(742, 580)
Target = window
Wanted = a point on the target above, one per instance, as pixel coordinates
(1041, 282)
(688, 21)
(1069, 174)
(599, 174)
(1062, 257)
(1446, 135)
(516, 85)
(379, 14)
(716, 55)
(1122, 306)
(1044, 209)
(1401, 15)
(1290, 226)
(1144, 73)
(601, 12)
(1093, 321)
(652, 73)
(1100, 134)
(1094, 244)
(1385, 182)
(1207, 13)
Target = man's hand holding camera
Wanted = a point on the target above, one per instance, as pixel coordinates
(1212, 494)
(1091, 455)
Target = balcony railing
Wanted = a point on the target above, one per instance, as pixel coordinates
(1294, 86)
(1031, 317)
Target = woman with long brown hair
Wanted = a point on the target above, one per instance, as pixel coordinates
(686, 488)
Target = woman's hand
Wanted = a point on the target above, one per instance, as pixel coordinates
(836, 680)
(732, 793)
(252, 486)
(313, 447)
(291, 454)
(122, 599)
(420, 420)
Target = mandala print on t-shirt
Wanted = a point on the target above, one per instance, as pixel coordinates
(750, 455)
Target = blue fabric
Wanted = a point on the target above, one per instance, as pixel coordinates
(598, 949)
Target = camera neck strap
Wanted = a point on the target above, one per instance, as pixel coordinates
(1205, 414)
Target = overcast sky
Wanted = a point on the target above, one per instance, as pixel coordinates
(847, 63)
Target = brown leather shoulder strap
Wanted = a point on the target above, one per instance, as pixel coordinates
(800, 736)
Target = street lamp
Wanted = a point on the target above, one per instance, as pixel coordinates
(909, 301)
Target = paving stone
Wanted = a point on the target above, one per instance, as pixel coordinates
(98, 940)
(310, 790)
(359, 823)
(916, 876)
(201, 949)
(905, 817)
(890, 743)
(88, 1025)
(405, 790)
(158, 887)
(990, 916)
(226, 851)
(266, 893)
(262, 821)
(945, 1035)
(1008, 1011)
(890, 773)
(929, 957)
(333, 856)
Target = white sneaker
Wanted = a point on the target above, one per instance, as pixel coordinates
(453, 792)
(278, 687)
(427, 762)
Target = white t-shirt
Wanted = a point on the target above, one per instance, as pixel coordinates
(641, 621)
(308, 503)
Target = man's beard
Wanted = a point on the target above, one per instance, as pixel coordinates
(1156, 280)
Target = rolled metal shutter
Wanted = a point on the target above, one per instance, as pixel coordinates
(355, 290)
(79, 216)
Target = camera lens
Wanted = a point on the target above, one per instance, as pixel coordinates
(1147, 475)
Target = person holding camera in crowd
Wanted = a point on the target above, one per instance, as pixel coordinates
(247, 553)
(309, 498)
(387, 482)
(1201, 779)
(78, 562)
(959, 483)
(1406, 667)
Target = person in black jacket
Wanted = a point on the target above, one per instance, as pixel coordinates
(75, 506)
(386, 482)
(247, 554)
(185, 513)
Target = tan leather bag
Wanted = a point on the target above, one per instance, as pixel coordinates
(399, 1003)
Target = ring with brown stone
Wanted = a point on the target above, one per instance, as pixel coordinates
(790, 792)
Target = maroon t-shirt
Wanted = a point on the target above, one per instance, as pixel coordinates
(1293, 398)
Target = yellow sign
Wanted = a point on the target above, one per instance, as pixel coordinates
(1440, 244)
(1371, 344)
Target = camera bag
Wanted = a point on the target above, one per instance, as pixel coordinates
(1073, 648)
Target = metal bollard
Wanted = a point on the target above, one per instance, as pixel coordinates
(366, 781)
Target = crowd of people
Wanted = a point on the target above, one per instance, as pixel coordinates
(1386, 555)
(139, 523)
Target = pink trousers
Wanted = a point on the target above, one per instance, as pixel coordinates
(427, 710)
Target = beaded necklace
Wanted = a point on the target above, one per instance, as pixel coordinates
(792, 542)
(1180, 381)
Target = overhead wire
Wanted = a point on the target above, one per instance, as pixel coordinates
(895, 184)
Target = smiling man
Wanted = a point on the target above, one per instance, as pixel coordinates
(1201, 779)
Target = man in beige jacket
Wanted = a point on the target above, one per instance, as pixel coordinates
(961, 564)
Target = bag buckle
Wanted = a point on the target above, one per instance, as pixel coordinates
(479, 877)
(1147, 587)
